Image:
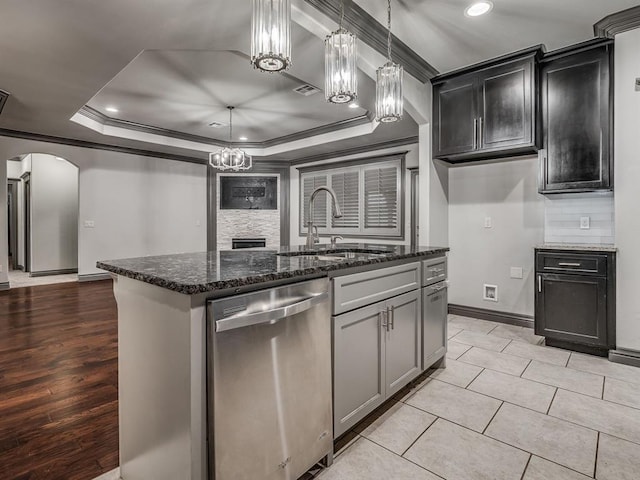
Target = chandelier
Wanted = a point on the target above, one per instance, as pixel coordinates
(230, 158)
(271, 35)
(389, 100)
(340, 65)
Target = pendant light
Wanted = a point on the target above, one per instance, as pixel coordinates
(340, 65)
(230, 158)
(389, 100)
(271, 35)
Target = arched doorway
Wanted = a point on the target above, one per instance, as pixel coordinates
(42, 198)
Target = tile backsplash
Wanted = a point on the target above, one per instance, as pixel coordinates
(562, 218)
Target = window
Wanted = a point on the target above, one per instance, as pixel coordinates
(369, 193)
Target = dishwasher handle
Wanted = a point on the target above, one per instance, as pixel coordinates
(240, 320)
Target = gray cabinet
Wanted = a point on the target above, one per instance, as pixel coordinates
(377, 351)
(403, 361)
(359, 360)
(434, 305)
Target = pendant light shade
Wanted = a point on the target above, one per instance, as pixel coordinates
(271, 35)
(389, 99)
(340, 65)
(230, 158)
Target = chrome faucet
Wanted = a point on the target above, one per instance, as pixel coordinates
(312, 237)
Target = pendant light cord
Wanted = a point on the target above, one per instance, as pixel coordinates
(389, 30)
(230, 124)
(341, 14)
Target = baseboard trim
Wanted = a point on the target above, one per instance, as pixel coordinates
(626, 357)
(492, 315)
(4, 286)
(94, 277)
(47, 273)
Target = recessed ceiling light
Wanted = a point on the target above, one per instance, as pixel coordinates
(112, 109)
(243, 139)
(353, 105)
(478, 8)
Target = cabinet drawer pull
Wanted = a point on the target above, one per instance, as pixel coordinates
(437, 270)
(392, 317)
(568, 264)
(475, 133)
(480, 134)
(540, 283)
(384, 319)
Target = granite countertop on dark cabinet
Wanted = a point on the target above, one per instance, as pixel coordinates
(193, 273)
(578, 247)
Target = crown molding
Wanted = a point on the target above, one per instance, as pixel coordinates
(3, 99)
(616, 23)
(98, 146)
(105, 120)
(356, 150)
(374, 34)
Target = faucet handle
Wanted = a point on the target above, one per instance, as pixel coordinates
(334, 239)
(316, 238)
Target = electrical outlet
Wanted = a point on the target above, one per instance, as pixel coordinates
(89, 224)
(487, 222)
(585, 223)
(637, 84)
(516, 272)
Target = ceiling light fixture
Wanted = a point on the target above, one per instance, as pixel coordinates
(340, 65)
(389, 100)
(271, 35)
(230, 158)
(478, 8)
(112, 109)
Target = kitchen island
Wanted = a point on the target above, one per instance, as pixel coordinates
(162, 338)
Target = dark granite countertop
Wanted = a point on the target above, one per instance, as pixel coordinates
(192, 273)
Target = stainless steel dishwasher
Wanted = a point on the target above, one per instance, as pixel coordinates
(269, 383)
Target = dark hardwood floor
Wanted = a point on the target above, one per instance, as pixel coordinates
(58, 382)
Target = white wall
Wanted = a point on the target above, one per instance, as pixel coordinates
(506, 191)
(627, 180)
(14, 169)
(411, 161)
(140, 205)
(54, 214)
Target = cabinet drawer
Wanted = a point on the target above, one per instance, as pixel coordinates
(568, 262)
(434, 270)
(360, 289)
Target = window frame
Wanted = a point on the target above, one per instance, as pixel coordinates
(396, 160)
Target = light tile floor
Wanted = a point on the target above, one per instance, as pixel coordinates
(505, 408)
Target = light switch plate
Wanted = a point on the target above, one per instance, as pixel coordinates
(585, 223)
(487, 222)
(89, 224)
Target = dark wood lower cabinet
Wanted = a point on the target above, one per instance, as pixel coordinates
(575, 299)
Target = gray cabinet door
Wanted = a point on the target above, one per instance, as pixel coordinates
(434, 305)
(359, 363)
(403, 341)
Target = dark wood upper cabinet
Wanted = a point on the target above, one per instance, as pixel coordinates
(576, 101)
(487, 110)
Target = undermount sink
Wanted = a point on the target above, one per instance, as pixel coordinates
(334, 254)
